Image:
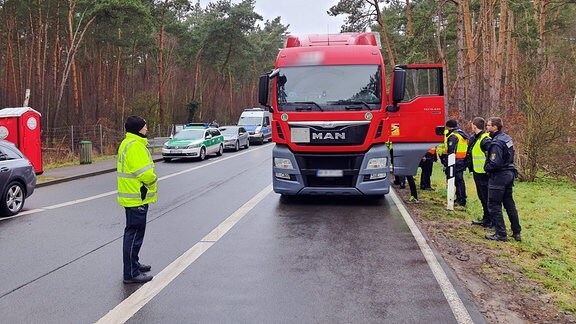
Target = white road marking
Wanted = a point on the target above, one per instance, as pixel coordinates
(458, 309)
(110, 193)
(131, 305)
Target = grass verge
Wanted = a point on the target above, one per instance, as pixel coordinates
(547, 211)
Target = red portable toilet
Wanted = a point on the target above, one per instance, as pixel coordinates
(21, 126)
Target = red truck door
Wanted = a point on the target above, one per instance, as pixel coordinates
(419, 118)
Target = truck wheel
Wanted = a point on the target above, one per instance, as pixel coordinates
(202, 155)
(12, 199)
(220, 150)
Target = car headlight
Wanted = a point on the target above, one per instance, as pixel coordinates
(376, 163)
(194, 145)
(282, 163)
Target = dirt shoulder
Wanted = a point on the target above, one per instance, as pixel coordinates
(503, 293)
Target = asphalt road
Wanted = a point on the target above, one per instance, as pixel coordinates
(224, 249)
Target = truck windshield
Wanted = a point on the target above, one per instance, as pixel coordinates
(329, 88)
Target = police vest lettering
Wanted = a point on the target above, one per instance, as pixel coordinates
(329, 136)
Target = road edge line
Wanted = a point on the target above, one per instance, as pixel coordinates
(456, 305)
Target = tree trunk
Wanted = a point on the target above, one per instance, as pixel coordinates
(380, 21)
(460, 64)
(72, 48)
(472, 86)
(410, 28)
(499, 59)
(441, 52)
(161, 72)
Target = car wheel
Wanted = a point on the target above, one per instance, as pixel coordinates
(247, 144)
(167, 159)
(237, 147)
(202, 154)
(12, 199)
(220, 150)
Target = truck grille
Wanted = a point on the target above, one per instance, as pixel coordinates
(340, 134)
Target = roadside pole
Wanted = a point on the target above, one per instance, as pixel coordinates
(451, 187)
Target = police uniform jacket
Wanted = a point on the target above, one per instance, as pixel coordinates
(135, 171)
(500, 154)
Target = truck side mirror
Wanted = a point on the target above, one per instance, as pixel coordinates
(263, 89)
(399, 86)
(398, 89)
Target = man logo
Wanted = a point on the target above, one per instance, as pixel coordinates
(329, 136)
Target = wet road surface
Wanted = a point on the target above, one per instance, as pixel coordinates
(224, 249)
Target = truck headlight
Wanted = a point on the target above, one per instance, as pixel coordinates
(377, 163)
(282, 163)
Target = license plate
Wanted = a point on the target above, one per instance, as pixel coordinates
(175, 151)
(329, 173)
(300, 135)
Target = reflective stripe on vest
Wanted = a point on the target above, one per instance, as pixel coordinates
(479, 156)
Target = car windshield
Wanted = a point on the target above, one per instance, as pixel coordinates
(190, 134)
(329, 88)
(229, 131)
(248, 121)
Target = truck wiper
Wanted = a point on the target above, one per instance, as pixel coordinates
(351, 102)
(296, 103)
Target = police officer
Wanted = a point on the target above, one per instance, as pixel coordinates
(501, 171)
(136, 189)
(456, 141)
(475, 160)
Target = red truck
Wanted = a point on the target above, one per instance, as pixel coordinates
(333, 121)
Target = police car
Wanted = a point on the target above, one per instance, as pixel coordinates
(194, 141)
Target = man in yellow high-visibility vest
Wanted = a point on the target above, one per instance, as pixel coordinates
(136, 190)
(475, 160)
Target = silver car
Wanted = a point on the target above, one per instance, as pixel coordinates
(235, 137)
(17, 179)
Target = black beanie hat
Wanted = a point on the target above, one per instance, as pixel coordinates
(451, 123)
(134, 124)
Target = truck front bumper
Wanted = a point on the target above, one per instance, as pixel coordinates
(331, 174)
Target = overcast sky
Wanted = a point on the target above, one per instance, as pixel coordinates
(303, 16)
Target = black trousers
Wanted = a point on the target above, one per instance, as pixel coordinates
(459, 169)
(481, 181)
(412, 185)
(133, 238)
(500, 194)
(426, 166)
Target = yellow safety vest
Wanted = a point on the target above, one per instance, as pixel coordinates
(479, 156)
(134, 169)
(462, 146)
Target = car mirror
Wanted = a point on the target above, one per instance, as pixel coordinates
(208, 136)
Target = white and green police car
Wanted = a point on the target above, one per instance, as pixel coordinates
(194, 141)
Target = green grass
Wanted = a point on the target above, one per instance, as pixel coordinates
(547, 211)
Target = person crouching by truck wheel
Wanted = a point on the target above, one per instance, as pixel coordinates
(456, 142)
(502, 172)
(475, 160)
(427, 164)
